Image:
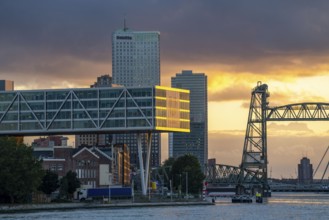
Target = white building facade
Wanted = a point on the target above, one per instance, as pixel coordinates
(136, 58)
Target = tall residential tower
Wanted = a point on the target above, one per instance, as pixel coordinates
(195, 142)
(305, 171)
(136, 63)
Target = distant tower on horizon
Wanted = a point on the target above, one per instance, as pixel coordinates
(305, 171)
(102, 81)
(136, 63)
(6, 85)
(195, 142)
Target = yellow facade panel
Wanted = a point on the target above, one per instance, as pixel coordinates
(172, 89)
(172, 109)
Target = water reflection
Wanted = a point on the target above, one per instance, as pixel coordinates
(280, 206)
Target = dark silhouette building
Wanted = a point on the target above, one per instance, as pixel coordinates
(195, 142)
(305, 171)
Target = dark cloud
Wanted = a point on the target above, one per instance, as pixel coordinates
(242, 92)
(37, 35)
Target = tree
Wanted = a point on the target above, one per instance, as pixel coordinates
(69, 184)
(165, 171)
(20, 172)
(169, 162)
(49, 182)
(188, 166)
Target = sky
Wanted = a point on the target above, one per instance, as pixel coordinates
(67, 44)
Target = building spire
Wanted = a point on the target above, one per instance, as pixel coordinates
(124, 24)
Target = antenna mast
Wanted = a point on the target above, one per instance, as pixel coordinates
(124, 24)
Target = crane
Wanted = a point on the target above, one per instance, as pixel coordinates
(321, 162)
(324, 173)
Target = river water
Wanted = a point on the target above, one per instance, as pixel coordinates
(279, 206)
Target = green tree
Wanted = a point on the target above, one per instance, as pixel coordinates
(69, 184)
(165, 171)
(169, 162)
(187, 164)
(20, 172)
(49, 182)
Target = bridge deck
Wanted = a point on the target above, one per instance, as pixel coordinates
(94, 110)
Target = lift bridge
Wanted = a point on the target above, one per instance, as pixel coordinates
(253, 171)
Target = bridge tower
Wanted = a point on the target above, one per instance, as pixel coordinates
(254, 155)
(252, 172)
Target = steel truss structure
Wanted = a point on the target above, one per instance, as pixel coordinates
(224, 175)
(97, 110)
(253, 168)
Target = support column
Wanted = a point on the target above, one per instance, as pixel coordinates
(141, 164)
(144, 173)
(148, 156)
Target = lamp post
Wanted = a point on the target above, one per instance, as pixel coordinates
(186, 185)
(180, 185)
(109, 193)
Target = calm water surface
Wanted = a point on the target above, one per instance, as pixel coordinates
(279, 206)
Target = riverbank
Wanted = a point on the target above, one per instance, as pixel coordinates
(81, 205)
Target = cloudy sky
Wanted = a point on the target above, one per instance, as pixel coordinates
(285, 44)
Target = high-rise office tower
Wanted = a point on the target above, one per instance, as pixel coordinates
(135, 63)
(195, 142)
(136, 58)
(6, 85)
(305, 171)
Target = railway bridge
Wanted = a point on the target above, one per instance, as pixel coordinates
(253, 170)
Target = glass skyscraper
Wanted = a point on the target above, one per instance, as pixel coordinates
(195, 142)
(136, 58)
(136, 63)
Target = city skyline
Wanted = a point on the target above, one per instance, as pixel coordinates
(62, 44)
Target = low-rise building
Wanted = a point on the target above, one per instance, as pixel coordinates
(94, 166)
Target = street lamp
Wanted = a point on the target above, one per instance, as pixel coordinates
(186, 185)
(180, 185)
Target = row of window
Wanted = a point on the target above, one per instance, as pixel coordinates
(172, 104)
(56, 167)
(173, 94)
(86, 173)
(79, 115)
(82, 163)
(108, 104)
(169, 123)
(172, 113)
(62, 95)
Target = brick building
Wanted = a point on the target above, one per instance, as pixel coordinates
(94, 166)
